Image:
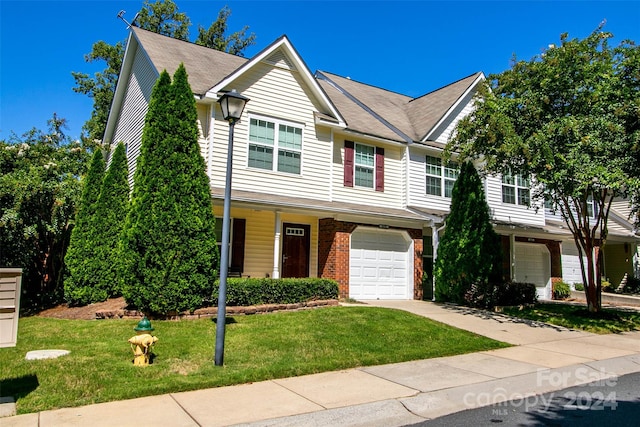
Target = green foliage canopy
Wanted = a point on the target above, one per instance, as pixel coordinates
(39, 191)
(569, 118)
(162, 17)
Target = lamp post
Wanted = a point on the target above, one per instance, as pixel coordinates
(232, 104)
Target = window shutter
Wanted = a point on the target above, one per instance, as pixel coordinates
(348, 163)
(237, 245)
(379, 169)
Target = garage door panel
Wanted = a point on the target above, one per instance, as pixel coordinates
(533, 265)
(379, 265)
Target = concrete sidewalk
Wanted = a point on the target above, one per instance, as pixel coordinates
(544, 359)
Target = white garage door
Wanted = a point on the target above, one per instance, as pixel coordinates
(533, 265)
(381, 265)
(571, 270)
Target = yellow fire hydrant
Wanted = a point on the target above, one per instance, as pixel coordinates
(142, 342)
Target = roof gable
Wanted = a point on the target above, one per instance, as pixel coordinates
(205, 66)
(428, 111)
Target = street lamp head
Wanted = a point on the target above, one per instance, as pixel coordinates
(232, 104)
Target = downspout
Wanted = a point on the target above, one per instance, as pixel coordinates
(435, 241)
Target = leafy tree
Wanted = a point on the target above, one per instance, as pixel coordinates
(469, 261)
(39, 190)
(569, 118)
(168, 250)
(214, 37)
(100, 87)
(81, 258)
(161, 17)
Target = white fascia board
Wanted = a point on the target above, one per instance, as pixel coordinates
(307, 77)
(471, 87)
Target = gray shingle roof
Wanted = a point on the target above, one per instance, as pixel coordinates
(412, 117)
(367, 109)
(205, 66)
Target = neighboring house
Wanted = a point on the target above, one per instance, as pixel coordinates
(338, 179)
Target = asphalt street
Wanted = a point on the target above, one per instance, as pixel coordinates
(609, 402)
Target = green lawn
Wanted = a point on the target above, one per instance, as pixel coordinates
(258, 347)
(577, 317)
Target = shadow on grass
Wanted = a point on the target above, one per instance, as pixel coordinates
(227, 320)
(501, 317)
(18, 387)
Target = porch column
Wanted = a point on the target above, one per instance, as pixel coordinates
(512, 256)
(435, 241)
(276, 247)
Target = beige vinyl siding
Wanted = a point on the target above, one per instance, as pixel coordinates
(279, 94)
(393, 194)
(260, 237)
(443, 132)
(203, 129)
(622, 208)
(134, 108)
(418, 196)
(507, 212)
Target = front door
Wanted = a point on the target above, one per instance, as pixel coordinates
(295, 250)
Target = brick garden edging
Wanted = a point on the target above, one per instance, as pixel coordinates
(213, 311)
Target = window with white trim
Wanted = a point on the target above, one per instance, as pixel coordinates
(440, 179)
(264, 141)
(364, 161)
(515, 189)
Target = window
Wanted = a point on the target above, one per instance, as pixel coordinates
(363, 166)
(264, 141)
(440, 178)
(515, 189)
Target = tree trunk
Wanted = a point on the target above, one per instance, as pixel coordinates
(591, 287)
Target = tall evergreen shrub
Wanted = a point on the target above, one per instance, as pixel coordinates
(469, 254)
(111, 212)
(168, 251)
(80, 258)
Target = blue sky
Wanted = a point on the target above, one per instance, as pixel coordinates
(408, 47)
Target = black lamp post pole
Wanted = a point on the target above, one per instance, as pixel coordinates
(224, 261)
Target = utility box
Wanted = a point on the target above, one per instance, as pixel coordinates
(10, 288)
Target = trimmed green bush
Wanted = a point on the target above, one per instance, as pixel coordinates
(579, 287)
(633, 286)
(245, 292)
(561, 290)
(515, 293)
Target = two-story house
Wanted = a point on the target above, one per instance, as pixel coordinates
(335, 178)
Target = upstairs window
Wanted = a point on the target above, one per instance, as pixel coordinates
(365, 159)
(515, 189)
(440, 179)
(264, 141)
(363, 166)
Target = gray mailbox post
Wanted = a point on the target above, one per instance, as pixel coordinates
(10, 284)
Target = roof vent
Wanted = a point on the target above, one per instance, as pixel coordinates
(279, 59)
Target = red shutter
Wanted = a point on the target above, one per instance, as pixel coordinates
(379, 169)
(348, 163)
